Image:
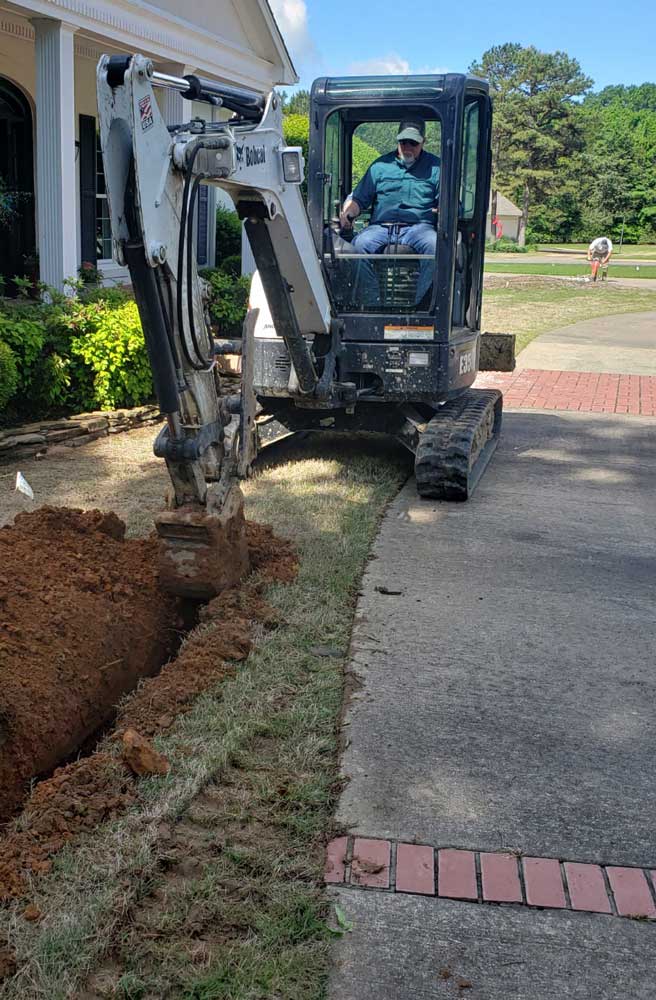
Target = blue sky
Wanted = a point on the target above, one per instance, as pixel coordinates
(613, 41)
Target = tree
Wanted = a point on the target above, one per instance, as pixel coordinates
(296, 104)
(620, 132)
(536, 125)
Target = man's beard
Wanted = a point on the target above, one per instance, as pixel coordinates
(408, 158)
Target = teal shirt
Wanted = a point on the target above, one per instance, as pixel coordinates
(397, 193)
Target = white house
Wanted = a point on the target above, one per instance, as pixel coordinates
(509, 217)
(48, 139)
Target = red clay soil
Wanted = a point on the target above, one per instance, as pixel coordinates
(82, 619)
(88, 792)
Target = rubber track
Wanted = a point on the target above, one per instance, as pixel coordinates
(456, 434)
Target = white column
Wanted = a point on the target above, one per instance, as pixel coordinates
(55, 151)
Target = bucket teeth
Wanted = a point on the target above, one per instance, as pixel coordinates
(457, 444)
(201, 554)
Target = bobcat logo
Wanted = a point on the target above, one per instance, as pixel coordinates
(239, 153)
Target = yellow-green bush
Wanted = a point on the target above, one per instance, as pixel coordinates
(8, 374)
(112, 346)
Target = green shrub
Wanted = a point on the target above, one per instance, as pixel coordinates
(228, 234)
(228, 300)
(113, 297)
(296, 131)
(363, 156)
(231, 265)
(8, 374)
(22, 328)
(504, 245)
(111, 343)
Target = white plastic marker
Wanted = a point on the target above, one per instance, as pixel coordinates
(23, 486)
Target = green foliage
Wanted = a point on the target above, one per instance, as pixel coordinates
(228, 300)
(296, 130)
(537, 130)
(578, 169)
(111, 343)
(8, 374)
(296, 104)
(73, 354)
(363, 156)
(504, 245)
(228, 233)
(22, 328)
(112, 297)
(382, 135)
(88, 273)
(231, 265)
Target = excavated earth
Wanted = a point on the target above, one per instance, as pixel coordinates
(82, 622)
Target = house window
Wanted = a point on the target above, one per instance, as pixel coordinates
(103, 227)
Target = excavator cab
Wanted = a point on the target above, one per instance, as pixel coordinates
(408, 322)
(398, 296)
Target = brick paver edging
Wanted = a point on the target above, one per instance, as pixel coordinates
(591, 392)
(482, 877)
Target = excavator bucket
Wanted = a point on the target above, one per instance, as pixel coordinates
(201, 554)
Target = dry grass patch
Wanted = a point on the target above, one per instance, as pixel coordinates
(529, 306)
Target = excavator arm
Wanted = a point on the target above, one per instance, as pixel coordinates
(152, 174)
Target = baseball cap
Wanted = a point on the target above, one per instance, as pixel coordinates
(414, 129)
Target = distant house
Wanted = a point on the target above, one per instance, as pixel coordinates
(50, 167)
(508, 215)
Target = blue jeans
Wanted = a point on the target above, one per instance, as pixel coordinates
(420, 238)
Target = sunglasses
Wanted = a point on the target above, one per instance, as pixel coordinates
(408, 142)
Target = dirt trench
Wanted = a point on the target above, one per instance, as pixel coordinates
(82, 619)
(81, 615)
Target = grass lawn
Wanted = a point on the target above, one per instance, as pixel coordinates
(528, 306)
(236, 911)
(570, 270)
(645, 250)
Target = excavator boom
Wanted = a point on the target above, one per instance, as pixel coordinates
(152, 176)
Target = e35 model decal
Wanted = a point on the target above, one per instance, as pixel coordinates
(466, 362)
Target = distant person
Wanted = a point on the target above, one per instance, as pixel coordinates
(599, 253)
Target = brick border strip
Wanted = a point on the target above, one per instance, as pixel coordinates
(487, 877)
(585, 392)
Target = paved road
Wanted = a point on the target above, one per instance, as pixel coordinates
(507, 703)
(623, 343)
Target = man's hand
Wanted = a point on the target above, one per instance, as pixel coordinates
(350, 211)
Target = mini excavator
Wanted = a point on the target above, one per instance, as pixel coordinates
(332, 339)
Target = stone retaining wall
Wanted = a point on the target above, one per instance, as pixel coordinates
(43, 436)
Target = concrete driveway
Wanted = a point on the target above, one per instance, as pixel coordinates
(505, 711)
(622, 343)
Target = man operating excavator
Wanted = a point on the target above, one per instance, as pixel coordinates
(402, 189)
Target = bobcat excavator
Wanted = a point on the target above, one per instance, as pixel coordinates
(332, 339)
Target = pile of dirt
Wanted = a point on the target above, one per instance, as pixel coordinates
(82, 619)
(88, 792)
